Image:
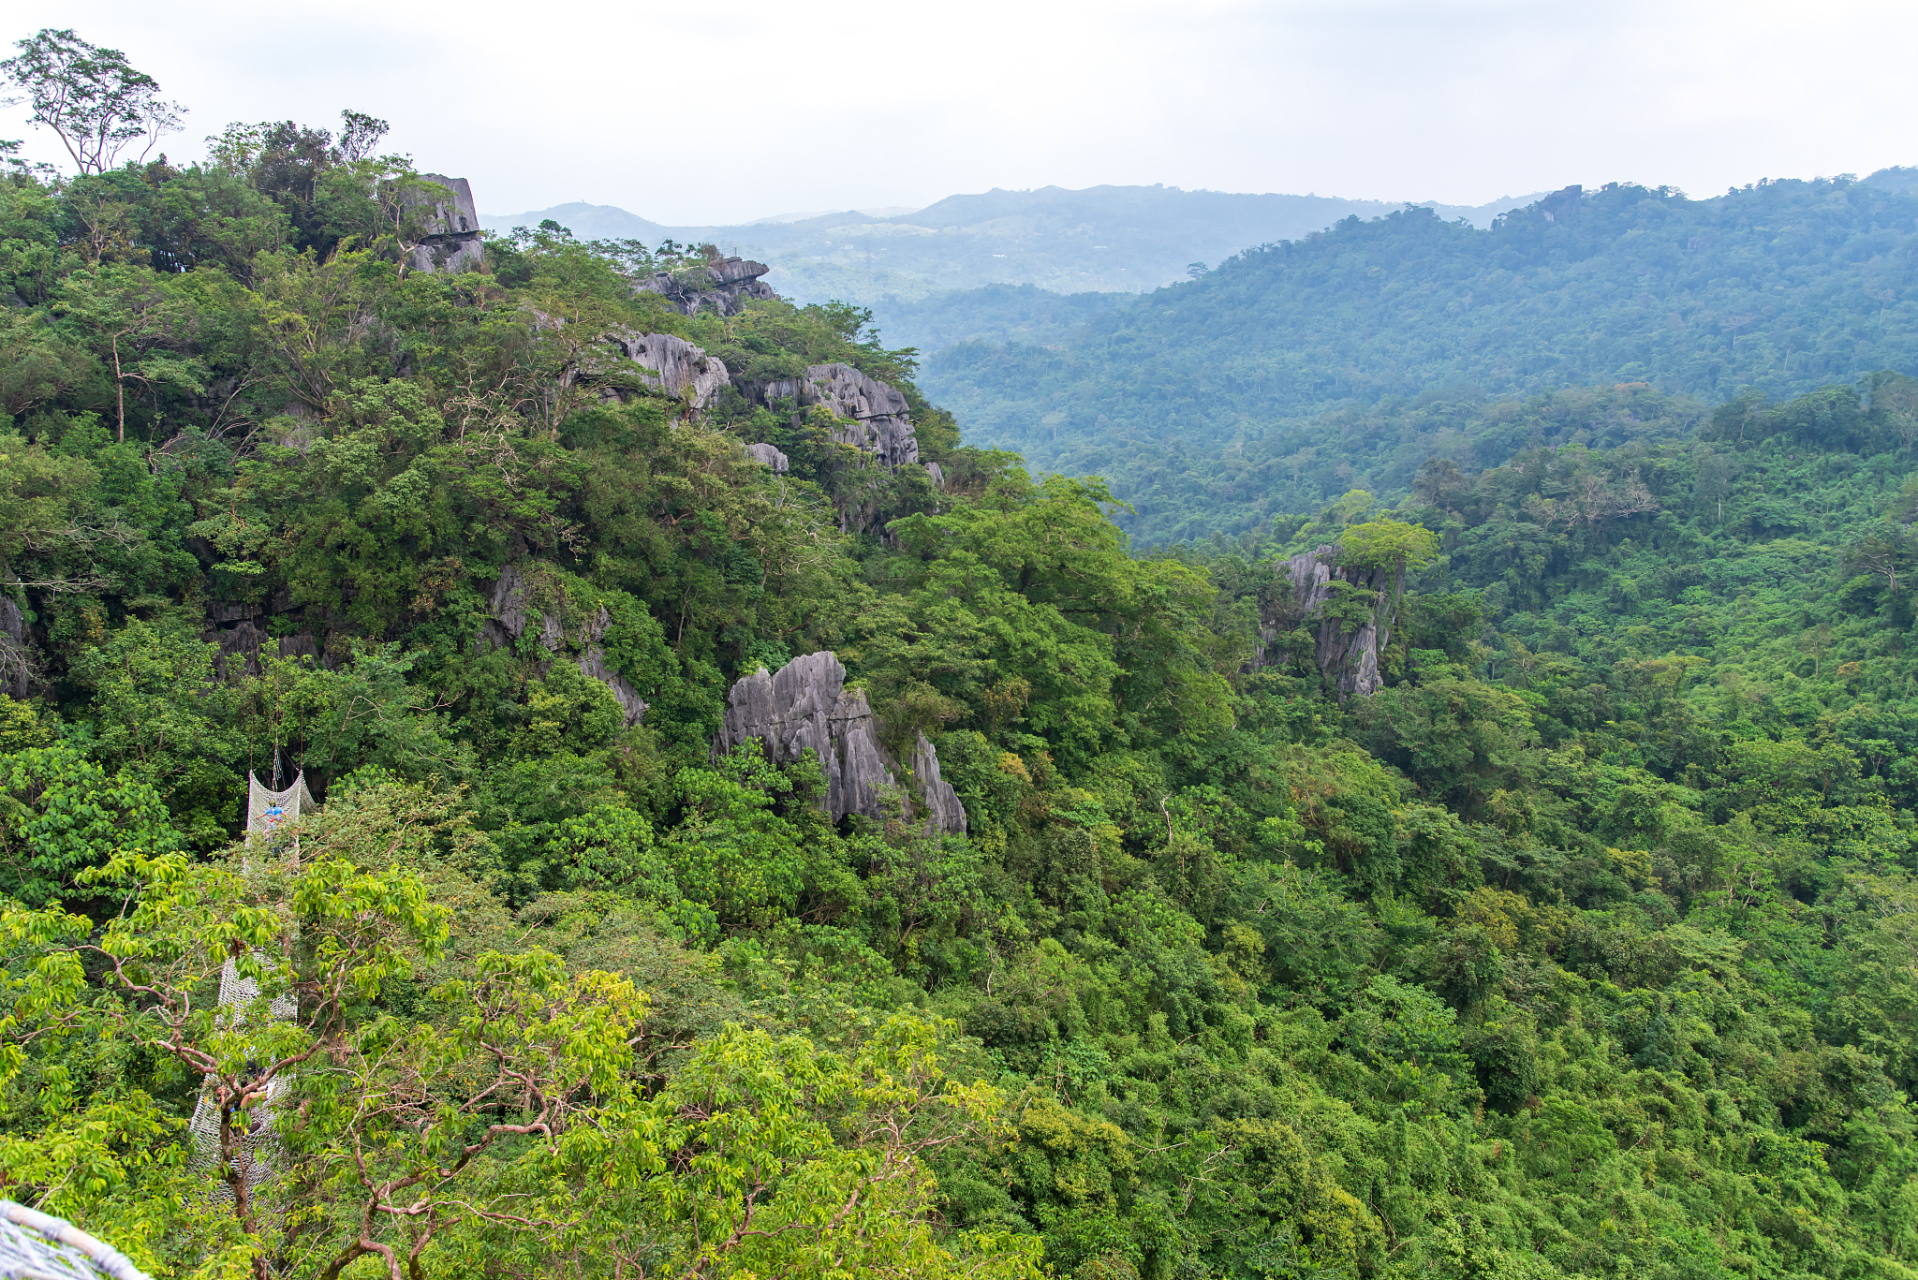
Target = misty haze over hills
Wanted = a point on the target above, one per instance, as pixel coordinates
(1101, 239)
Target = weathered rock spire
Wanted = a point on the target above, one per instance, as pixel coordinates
(805, 706)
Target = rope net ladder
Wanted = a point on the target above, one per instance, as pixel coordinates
(266, 812)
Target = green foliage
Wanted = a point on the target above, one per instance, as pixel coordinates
(1581, 948)
(1387, 544)
(61, 814)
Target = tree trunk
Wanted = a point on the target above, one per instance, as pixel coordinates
(119, 387)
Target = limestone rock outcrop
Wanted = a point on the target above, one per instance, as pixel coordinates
(771, 456)
(872, 415)
(1346, 650)
(674, 366)
(944, 812)
(724, 284)
(805, 706)
(453, 229)
(512, 615)
(16, 661)
(240, 631)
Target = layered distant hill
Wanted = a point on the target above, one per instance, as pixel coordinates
(1323, 344)
(1265, 384)
(1102, 239)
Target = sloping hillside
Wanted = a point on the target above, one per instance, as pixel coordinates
(1782, 286)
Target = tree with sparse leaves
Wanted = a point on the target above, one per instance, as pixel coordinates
(97, 103)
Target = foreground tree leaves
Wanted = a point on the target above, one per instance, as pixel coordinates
(505, 1116)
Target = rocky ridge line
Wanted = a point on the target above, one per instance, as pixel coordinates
(723, 284)
(868, 414)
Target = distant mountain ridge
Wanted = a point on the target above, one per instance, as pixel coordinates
(1235, 392)
(1108, 239)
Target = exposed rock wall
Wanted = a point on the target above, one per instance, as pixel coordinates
(240, 631)
(943, 809)
(771, 456)
(805, 706)
(453, 229)
(723, 285)
(16, 659)
(674, 366)
(872, 414)
(512, 615)
(1345, 648)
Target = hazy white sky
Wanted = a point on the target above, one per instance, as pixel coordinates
(734, 109)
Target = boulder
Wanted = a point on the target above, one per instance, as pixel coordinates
(1347, 657)
(723, 284)
(511, 617)
(804, 707)
(769, 455)
(452, 223)
(872, 414)
(674, 366)
(943, 810)
(937, 474)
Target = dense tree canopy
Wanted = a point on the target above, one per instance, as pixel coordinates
(1582, 948)
(1298, 370)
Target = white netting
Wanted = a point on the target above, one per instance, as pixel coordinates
(266, 812)
(39, 1246)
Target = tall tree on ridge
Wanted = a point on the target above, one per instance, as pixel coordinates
(95, 100)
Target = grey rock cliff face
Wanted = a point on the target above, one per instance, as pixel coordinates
(771, 456)
(241, 631)
(1347, 655)
(724, 285)
(16, 662)
(872, 414)
(453, 228)
(943, 809)
(509, 621)
(674, 366)
(804, 707)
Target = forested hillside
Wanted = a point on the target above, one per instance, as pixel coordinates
(1784, 286)
(1575, 941)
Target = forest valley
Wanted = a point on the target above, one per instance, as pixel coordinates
(1520, 886)
(1223, 402)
